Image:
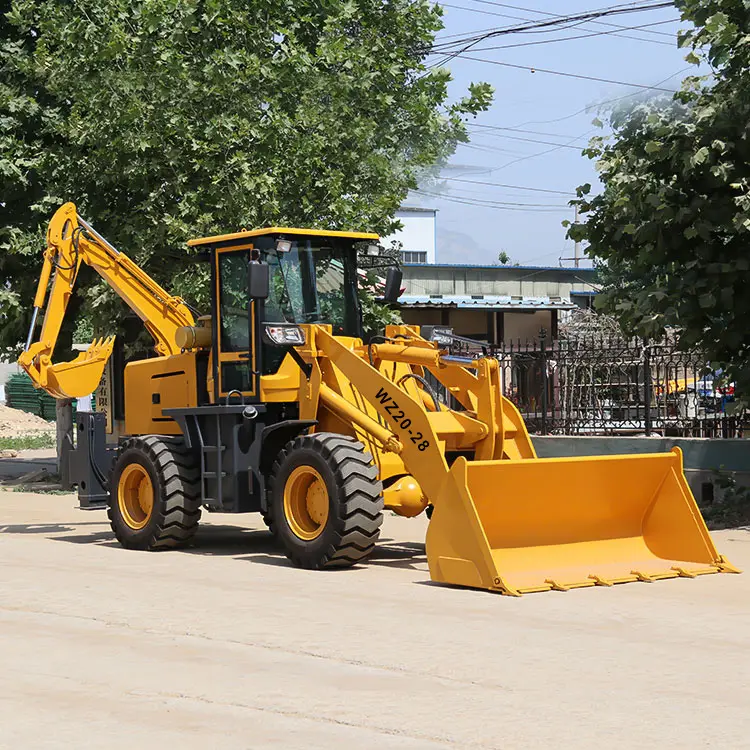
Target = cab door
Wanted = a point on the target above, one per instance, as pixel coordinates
(236, 349)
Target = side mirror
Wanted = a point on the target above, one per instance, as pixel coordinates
(258, 280)
(393, 281)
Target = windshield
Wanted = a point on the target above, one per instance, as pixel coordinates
(315, 282)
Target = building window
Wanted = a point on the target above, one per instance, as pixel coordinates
(414, 256)
(585, 302)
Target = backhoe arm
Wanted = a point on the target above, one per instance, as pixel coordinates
(71, 242)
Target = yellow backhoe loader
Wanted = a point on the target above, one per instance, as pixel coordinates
(273, 404)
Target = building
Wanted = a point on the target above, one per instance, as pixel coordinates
(494, 303)
(417, 237)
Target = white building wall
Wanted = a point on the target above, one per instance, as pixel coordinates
(418, 234)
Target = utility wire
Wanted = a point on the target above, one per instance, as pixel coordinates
(588, 36)
(468, 42)
(540, 153)
(478, 203)
(561, 73)
(589, 107)
(567, 117)
(536, 140)
(516, 130)
(511, 187)
(553, 15)
(617, 30)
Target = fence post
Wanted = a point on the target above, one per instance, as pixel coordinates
(545, 383)
(647, 385)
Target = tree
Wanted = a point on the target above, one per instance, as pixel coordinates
(503, 258)
(169, 119)
(671, 228)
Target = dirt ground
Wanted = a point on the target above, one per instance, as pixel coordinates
(16, 423)
(225, 645)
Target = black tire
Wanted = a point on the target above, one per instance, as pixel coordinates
(175, 480)
(355, 501)
(268, 520)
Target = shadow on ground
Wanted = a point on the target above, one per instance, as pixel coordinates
(254, 545)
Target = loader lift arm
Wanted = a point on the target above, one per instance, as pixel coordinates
(71, 241)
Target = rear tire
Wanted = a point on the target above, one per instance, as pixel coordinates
(326, 503)
(155, 494)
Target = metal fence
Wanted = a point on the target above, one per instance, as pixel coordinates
(603, 385)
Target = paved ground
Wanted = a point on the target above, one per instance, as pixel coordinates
(26, 462)
(227, 646)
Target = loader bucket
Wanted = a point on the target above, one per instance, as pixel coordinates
(538, 524)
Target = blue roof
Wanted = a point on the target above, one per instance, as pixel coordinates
(497, 267)
(485, 302)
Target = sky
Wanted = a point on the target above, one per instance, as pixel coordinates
(471, 225)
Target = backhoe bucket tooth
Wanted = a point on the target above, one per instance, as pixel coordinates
(554, 524)
(81, 376)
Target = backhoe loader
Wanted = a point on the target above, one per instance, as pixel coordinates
(272, 403)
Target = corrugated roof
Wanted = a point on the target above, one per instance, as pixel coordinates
(486, 302)
(502, 268)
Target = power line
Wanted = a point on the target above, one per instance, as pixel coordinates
(561, 73)
(617, 30)
(536, 140)
(487, 149)
(539, 153)
(588, 36)
(512, 187)
(548, 14)
(589, 107)
(478, 203)
(567, 117)
(471, 41)
(496, 202)
(516, 130)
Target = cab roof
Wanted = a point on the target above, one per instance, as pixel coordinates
(280, 230)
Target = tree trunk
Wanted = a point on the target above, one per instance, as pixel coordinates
(64, 418)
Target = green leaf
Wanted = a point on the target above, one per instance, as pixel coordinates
(700, 155)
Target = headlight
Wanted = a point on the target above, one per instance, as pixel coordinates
(284, 335)
(441, 335)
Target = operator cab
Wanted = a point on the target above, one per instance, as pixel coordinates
(311, 278)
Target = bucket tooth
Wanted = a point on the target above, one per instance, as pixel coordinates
(556, 585)
(599, 581)
(684, 573)
(725, 566)
(645, 577)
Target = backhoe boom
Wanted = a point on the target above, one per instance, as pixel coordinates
(71, 241)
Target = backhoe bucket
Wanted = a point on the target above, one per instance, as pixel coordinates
(81, 376)
(538, 524)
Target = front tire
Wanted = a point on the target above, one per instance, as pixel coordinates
(326, 501)
(155, 495)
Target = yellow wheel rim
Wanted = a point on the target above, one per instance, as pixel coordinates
(135, 496)
(306, 503)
